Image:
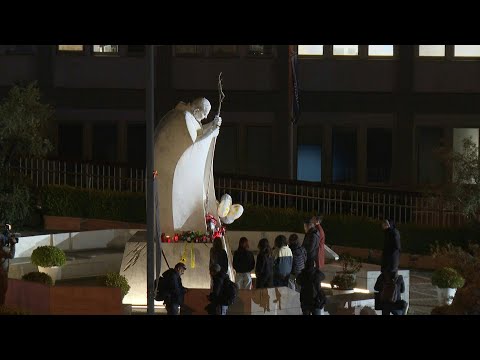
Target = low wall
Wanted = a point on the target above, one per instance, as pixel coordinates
(409, 261)
(39, 299)
(66, 223)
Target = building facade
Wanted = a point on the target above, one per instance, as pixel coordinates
(370, 114)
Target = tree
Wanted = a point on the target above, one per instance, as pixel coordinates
(23, 122)
(465, 187)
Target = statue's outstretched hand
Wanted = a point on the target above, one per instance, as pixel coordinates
(217, 121)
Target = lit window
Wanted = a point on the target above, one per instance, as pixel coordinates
(345, 50)
(380, 50)
(431, 50)
(70, 47)
(187, 50)
(260, 50)
(467, 50)
(222, 50)
(310, 49)
(105, 49)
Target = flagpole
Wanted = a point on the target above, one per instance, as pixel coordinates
(150, 113)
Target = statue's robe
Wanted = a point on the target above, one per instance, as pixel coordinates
(184, 161)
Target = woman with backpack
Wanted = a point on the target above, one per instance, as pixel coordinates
(299, 257)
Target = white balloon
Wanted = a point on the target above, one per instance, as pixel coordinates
(224, 207)
(227, 220)
(235, 211)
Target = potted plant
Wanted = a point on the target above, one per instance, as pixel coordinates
(113, 279)
(49, 260)
(345, 281)
(39, 277)
(447, 280)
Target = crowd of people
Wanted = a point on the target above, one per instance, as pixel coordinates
(291, 264)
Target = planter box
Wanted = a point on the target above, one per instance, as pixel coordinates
(61, 223)
(65, 223)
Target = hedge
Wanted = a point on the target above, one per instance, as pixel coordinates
(93, 204)
(342, 230)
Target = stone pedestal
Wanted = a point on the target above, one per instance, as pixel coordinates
(273, 301)
(134, 266)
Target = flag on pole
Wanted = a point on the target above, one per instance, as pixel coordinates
(293, 85)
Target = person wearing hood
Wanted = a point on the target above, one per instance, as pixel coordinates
(391, 247)
(174, 289)
(312, 297)
(218, 305)
(299, 257)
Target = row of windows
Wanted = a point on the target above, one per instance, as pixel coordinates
(179, 50)
(389, 50)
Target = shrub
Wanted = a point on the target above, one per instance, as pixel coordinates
(447, 278)
(39, 277)
(48, 256)
(343, 282)
(350, 264)
(115, 280)
(94, 204)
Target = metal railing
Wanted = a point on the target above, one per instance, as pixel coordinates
(43, 172)
(328, 199)
(374, 203)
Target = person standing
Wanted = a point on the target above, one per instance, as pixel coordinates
(299, 257)
(218, 304)
(311, 241)
(282, 262)
(174, 289)
(312, 297)
(391, 247)
(243, 263)
(264, 265)
(7, 252)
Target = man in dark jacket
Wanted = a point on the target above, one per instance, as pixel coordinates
(312, 297)
(399, 307)
(174, 288)
(299, 257)
(311, 242)
(7, 252)
(218, 305)
(391, 247)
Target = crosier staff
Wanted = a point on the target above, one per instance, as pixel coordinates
(221, 96)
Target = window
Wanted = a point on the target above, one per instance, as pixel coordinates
(188, 50)
(431, 50)
(310, 50)
(467, 50)
(70, 140)
(73, 48)
(224, 50)
(345, 50)
(226, 151)
(344, 154)
(380, 50)
(259, 150)
(260, 50)
(105, 142)
(136, 146)
(309, 163)
(105, 49)
(379, 155)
